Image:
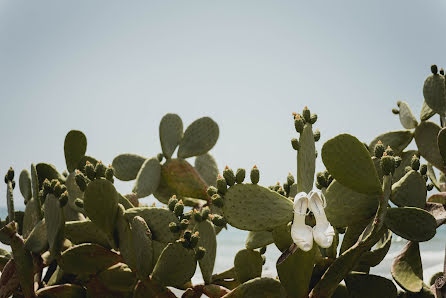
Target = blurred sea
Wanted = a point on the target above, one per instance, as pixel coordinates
(230, 241)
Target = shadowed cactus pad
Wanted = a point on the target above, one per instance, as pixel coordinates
(426, 139)
(258, 287)
(258, 239)
(411, 223)
(349, 162)
(171, 132)
(407, 269)
(75, 146)
(200, 136)
(176, 265)
(142, 244)
(255, 208)
(361, 285)
(207, 240)
(85, 232)
(126, 166)
(248, 265)
(61, 291)
(206, 166)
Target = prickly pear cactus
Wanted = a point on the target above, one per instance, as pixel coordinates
(80, 237)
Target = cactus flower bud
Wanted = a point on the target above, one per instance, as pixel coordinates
(184, 223)
(229, 176)
(217, 200)
(387, 164)
(211, 191)
(79, 203)
(109, 172)
(255, 175)
(434, 69)
(221, 184)
(194, 239)
(172, 202)
(89, 170)
(160, 157)
(395, 111)
(187, 235)
(263, 250)
(290, 179)
(415, 163)
(299, 123)
(179, 208)
(205, 213)
(200, 252)
(100, 170)
(63, 199)
(317, 135)
(173, 227)
(295, 144)
(389, 151)
(430, 186)
(218, 220)
(81, 180)
(423, 169)
(197, 216)
(306, 114)
(313, 118)
(379, 149)
(397, 161)
(240, 175)
(10, 174)
(442, 71)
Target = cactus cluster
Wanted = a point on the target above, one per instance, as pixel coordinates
(79, 237)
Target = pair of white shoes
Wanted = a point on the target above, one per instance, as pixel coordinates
(303, 235)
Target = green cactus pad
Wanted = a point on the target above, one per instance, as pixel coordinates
(101, 204)
(441, 141)
(373, 257)
(85, 232)
(255, 208)
(306, 160)
(258, 287)
(346, 207)
(125, 238)
(407, 119)
(182, 179)
(397, 140)
(32, 216)
(258, 239)
(200, 136)
(142, 244)
(282, 237)
(149, 288)
(411, 223)
(426, 112)
(434, 93)
(426, 138)
(207, 167)
(248, 265)
(35, 182)
(158, 220)
(158, 248)
(87, 258)
(296, 282)
(409, 191)
(407, 269)
(55, 224)
(75, 146)
(349, 162)
(61, 291)
(406, 159)
(127, 165)
(48, 171)
(148, 178)
(118, 277)
(37, 241)
(25, 185)
(370, 286)
(207, 240)
(433, 178)
(176, 265)
(171, 132)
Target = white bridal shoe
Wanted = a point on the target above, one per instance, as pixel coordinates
(301, 234)
(323, 231)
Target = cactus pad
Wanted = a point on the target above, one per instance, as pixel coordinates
(207, 240)
(411, 223)
(118, 278)
(158, 220)
(25, 185)
(406, 160)
(171, 132)
(373, 257)
(441, 141)
(370, 286)
(407, 269)
(397, 140)
(409, 191)
(85, 232)
(207, 167)
(55, 224)
(101, 204)
(142, 244)
(176, 265)
(258, 239)
(148, 178)
(434, 93)
(248, 265)
(258, 287)
(75, 146)
(346, 207)
(426, 138)
(407, 119)
(61, 291)
(48, 171)
(127, 165)
(426, 112)
(200, 136)
(32, 216)
(255, 208)
(87, 258)
(37, 241)
(296, 282)
(349, 162)
(306, 160)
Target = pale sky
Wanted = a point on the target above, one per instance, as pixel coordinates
(112, 69)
